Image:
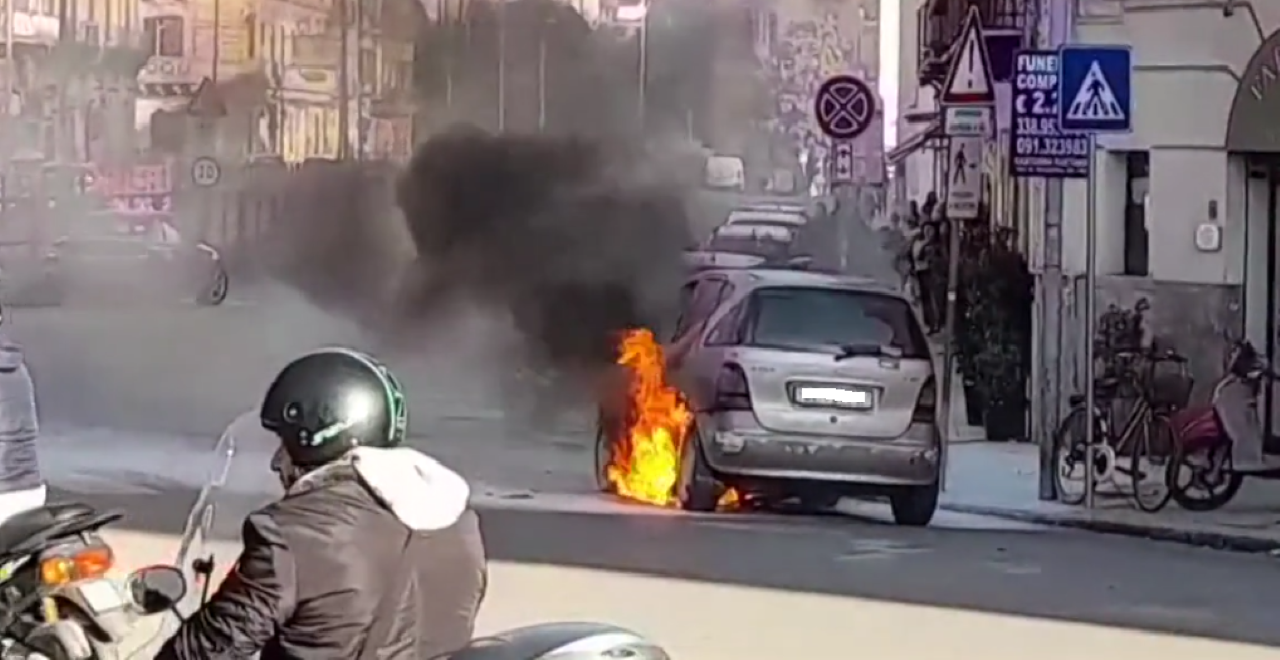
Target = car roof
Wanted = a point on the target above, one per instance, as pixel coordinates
(775, 206)
(758, 277)
(753, 228)
(756, 215)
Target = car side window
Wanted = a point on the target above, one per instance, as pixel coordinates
(684, 308)
(728, 330)
(705, 298)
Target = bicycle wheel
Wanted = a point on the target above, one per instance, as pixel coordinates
(1201, 479)
(1069, 457)
(1147, 461)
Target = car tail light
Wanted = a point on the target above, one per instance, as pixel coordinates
(731, 389)
(926, 403)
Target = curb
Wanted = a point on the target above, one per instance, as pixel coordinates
(1198, 538)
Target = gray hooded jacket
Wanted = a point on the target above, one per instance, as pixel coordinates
(19, 425)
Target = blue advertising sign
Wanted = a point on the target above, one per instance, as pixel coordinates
(1040, 148)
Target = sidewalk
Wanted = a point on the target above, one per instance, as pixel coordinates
(1001, 480)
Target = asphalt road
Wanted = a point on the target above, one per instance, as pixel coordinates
(754, 587)
(132, 398)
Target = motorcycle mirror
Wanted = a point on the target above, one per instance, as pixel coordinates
(156, 589)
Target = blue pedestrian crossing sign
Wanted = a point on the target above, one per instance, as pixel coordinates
(1095, 92)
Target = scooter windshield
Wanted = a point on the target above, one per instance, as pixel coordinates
(236, 479)
(197, 531)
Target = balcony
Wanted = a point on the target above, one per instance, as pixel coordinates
(942, 21)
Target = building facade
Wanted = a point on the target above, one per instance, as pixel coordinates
(71, 88)
(801, 43)
(1186, 203)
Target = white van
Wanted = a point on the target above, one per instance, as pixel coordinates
(726, 173)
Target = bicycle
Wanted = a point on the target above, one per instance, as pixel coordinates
(1156, 397)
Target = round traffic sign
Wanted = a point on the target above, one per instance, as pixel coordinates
(844, 107)
(205, 172)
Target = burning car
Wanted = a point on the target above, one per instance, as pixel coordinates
(778, 386)
(109, 252)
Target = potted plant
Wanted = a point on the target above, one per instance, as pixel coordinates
(993, 328)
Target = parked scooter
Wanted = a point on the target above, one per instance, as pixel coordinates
(166, 590)
(1220, 444)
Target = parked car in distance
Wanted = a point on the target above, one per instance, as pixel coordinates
(783, 217)
(109, 253)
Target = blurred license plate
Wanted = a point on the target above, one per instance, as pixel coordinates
(835, 397)
(100, 595)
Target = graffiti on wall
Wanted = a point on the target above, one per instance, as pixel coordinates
(798, 51)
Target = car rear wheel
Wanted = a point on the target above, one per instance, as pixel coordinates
(913, 506)
(215, 291)
(697, 489)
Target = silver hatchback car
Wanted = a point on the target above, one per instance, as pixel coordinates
(809, 387)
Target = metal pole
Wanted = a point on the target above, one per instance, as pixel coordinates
(11, 72)
(847, 195)
(643, 70)
(10, 67)
(66, 35)
(359, 71)
(450, 43)
(542, 79)
(217, 40)
(949, 332)
(344, 83)
(502, 65)
(1090, 312)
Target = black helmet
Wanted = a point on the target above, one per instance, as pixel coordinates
(329, 401)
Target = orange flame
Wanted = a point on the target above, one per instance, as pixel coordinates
(645, 461)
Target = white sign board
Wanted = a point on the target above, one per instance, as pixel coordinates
(205, 172)
(964, 177)
(842, 162)
(967, 120)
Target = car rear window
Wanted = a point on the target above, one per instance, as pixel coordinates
(757, 247)
(813, 317)
(780, 217)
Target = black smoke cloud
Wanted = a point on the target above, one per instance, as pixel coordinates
(568, 237)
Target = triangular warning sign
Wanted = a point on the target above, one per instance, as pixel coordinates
(969, 80)
(207, 102)
(1095, 100)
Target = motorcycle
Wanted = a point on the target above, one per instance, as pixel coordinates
(240, 465)
(1221, 444)
(56, 600)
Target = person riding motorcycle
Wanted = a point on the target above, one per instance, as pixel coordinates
(372, 552)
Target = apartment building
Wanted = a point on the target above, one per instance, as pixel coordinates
(77, 105)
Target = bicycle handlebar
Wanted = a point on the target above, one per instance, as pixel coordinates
(1163, 356)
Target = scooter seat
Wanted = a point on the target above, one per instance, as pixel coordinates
(534, 642)
(17, 530)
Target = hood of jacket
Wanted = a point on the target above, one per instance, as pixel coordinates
(423, 493)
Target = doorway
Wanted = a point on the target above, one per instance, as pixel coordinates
(1262, 269)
